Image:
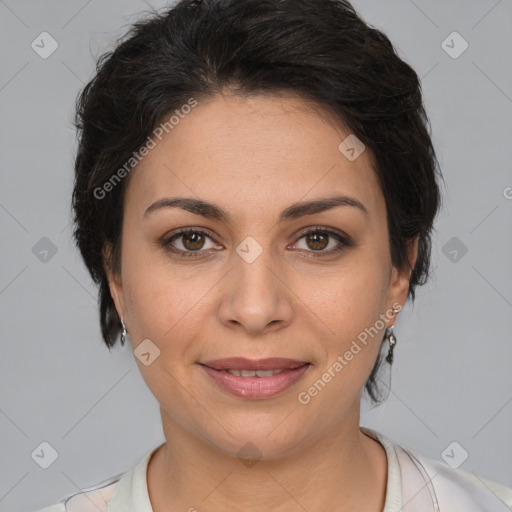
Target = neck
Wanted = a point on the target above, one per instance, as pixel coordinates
(346, 467)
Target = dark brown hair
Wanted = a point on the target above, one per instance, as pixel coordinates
(321, 50)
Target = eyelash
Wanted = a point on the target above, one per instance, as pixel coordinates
(344, 240)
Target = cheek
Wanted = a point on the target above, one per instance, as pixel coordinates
(167, 307)
(155, 293)
(353, 296)
(159, 307)
(161, 312)
(350, 305)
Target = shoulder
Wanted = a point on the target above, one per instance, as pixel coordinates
(121, 493)
(90, 499)
(417, 483)
(451, 488)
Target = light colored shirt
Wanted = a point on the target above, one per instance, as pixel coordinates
(414, 484)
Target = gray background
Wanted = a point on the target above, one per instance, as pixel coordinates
(452, 376)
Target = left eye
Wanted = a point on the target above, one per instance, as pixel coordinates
(319, 239)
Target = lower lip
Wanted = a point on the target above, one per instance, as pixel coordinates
(256, 387)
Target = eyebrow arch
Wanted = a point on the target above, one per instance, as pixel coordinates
(295, 211)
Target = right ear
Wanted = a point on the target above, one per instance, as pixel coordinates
(114, 280)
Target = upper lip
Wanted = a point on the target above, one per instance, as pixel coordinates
(241, 363)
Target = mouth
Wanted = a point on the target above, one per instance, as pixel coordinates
(253, 373)
(255, 379)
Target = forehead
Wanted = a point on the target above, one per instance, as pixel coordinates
(254, 151)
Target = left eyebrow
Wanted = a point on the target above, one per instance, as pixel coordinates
(320, 205)
(213, 211)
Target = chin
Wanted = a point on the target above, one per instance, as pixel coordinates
(255, 437)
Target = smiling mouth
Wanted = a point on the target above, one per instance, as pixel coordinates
(255, 378)
(253, 373)
(243, 364)
(256, 373)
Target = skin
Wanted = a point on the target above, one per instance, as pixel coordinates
(254, 157)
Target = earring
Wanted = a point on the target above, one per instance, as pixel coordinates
(124, 332)
(392, 342)
(391, 339)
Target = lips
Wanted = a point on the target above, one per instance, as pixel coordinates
(241, 363)
(250, 378)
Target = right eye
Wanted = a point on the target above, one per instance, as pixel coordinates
(192, 241)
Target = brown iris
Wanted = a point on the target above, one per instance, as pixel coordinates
(319, 240)
(193, 241)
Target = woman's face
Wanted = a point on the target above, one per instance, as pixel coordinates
(256, 285)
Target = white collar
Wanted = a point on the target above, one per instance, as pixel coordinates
(414, 484)
(131, 492)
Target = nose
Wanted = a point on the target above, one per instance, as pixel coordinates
(256, 297)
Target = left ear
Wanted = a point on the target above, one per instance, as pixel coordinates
(399, 283)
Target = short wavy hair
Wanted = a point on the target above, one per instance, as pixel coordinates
(320, 50)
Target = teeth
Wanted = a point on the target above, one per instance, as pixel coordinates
(267, 373)
(254, 373)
